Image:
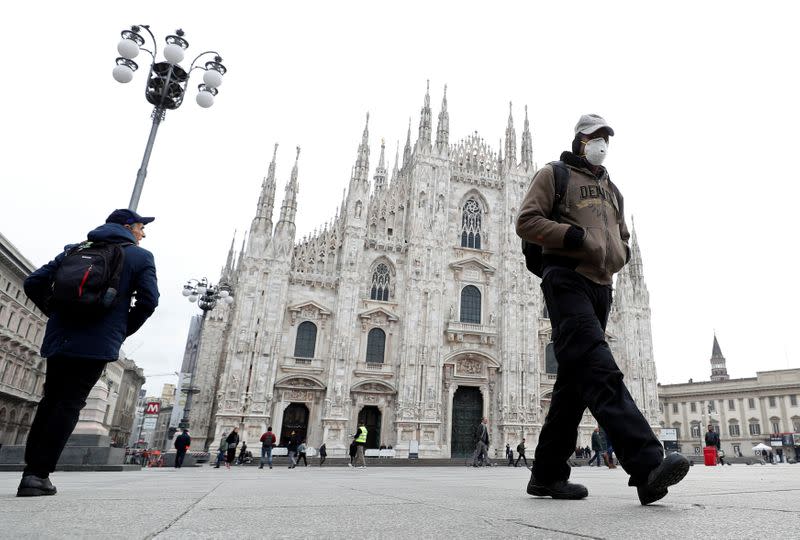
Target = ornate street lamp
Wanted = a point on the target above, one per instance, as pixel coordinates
(206, 296)
(166, 82)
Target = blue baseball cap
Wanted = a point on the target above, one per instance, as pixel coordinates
(123, 216)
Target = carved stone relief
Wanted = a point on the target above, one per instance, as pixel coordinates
(469, 366)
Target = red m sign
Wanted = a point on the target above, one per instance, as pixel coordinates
(152, 407)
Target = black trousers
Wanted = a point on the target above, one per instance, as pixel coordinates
(523, 458)
(179, 456)
(589, 377)
(66, 386)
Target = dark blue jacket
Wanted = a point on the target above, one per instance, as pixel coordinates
(99, 339)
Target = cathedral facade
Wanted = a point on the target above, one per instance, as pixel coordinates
(411, 310)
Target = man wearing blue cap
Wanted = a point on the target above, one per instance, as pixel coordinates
(575, 213)
(84, 331)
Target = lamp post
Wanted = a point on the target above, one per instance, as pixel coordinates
(206, 296)
(166, 82)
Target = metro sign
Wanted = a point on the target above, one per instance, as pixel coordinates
(152, 407)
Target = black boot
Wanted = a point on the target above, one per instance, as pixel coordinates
(34, 486)
(670, 472)
(560, 489)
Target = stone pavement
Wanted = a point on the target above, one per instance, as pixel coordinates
(433, 502)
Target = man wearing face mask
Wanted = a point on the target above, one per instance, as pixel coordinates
(581, 251)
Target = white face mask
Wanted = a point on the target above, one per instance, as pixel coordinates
(596, 151)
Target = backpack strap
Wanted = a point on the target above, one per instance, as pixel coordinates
(620, 198)
(561, 176)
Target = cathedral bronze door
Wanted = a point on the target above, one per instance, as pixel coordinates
(370, 416)
(467, 414)
(295, 419)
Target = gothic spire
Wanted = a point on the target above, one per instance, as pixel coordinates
(443, 128)
(289, 206)
(635, 269)
(242, 251)
(425, 124)
(228, 269)
(380, 170)
(527, 144)
(261, 226)
(407, 149)
(395, 169)
(719, 372)
(361, 169)
(229, 262)
(511, 139)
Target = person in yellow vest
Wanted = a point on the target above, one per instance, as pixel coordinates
(360, 438)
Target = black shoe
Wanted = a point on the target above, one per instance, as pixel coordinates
(670, 472)
(33, 486)
(561, 489)
(260, 466)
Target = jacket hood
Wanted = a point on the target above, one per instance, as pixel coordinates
(579, 162)
(113, 233)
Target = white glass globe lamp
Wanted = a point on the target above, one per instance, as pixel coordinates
(173, 53)
(123, 74)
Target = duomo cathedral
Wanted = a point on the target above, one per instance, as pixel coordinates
(411, 309)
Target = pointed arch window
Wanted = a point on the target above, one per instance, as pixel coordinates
(380, 283)
(376, 346)
(306, 340)
(471, 305)
(471, 218)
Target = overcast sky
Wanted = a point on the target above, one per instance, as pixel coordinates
(703, 97)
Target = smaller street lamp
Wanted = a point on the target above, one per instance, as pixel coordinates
(206, 295)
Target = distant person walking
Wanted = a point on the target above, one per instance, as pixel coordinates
(291, 449)
(481, 456)
(575, 215)
(598, 447)
(712, 437)
(608, 456)
(233, 441)
(323, 454)
(182, 443)
(360, 439)
(509, 455)
(268, 440)
(301, 453)
(521, 456)
(96, 294)
(222, 449)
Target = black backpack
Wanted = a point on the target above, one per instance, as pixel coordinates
(533, 252)
(87, 280)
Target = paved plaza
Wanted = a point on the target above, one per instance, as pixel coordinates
(398, 502)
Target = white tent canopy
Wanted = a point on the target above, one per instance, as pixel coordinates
(762, 447)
